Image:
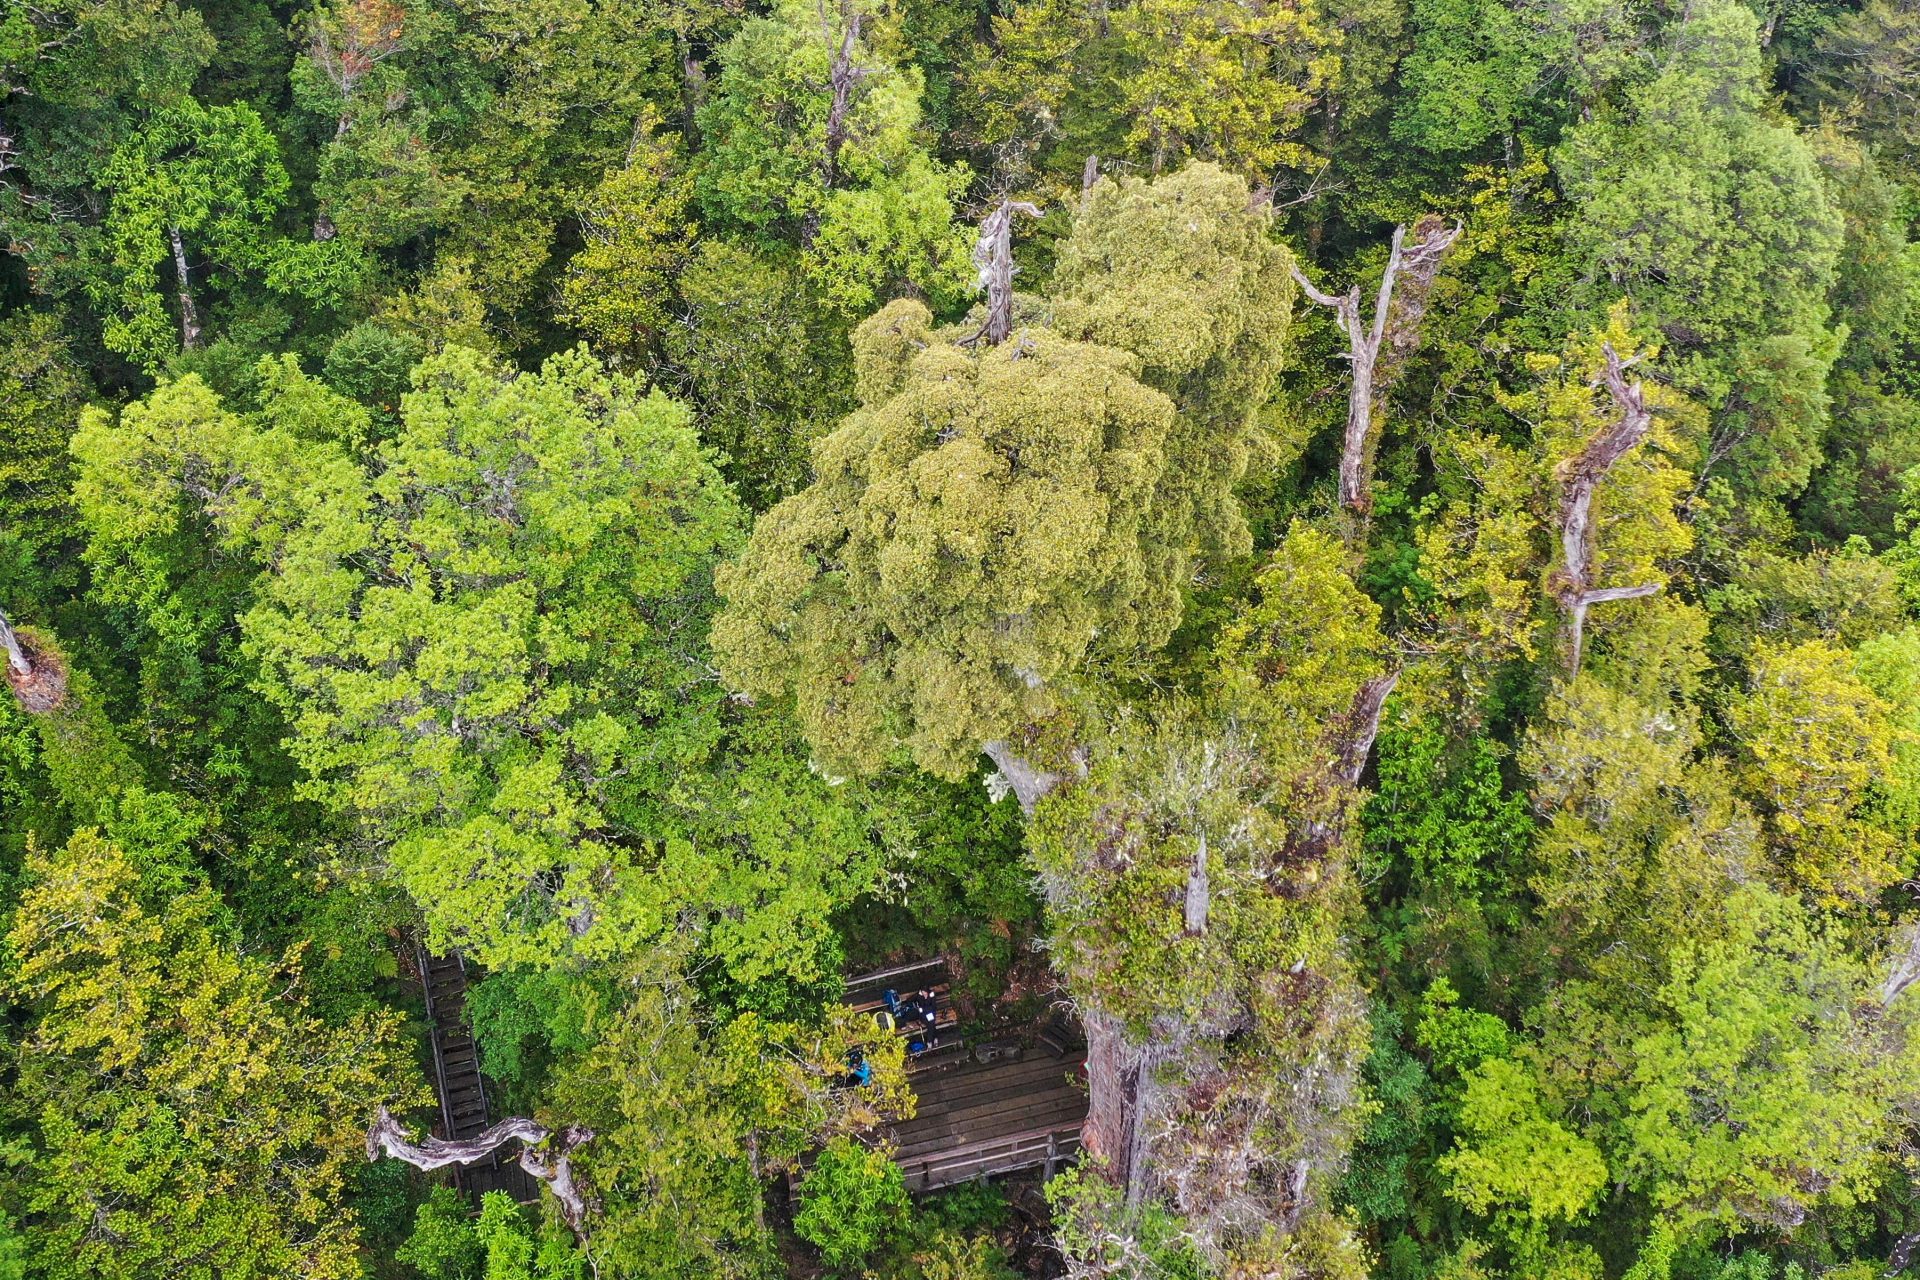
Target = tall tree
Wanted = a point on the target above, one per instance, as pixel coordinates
(190, 1116)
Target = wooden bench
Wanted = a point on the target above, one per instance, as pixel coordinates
(866, 994)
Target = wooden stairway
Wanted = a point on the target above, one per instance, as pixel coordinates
(457, 1079)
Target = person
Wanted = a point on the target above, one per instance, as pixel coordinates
(859, 1070)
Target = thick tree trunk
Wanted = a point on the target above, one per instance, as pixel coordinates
(189, 318)
(1580, 475)
(1906, 969)
(1120, 1088)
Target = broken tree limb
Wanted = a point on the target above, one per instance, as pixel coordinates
(1363, 726)
(189, 316)
(16, 656)
(1351, 743)
(555, 1169)
(1580, 475)
(1028, 783)
(1395, 323)
(37, 677)
(1903, 1251)
(1906, 969)
(993, 259)
(844, 76)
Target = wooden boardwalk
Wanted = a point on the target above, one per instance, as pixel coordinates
(457, 1080)
(976, 1120)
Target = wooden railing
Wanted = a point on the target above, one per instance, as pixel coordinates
(1034, 1148)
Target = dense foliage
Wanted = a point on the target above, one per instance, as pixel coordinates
(1370, 549)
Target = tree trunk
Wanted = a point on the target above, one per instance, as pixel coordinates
(189, 318)
(386, 1136)
(993, 259)
(1120, 1091)
(842, 79)
(1029, 784)
(1580, 475)
(16, 656)
(1198, 895)
(1399, 322)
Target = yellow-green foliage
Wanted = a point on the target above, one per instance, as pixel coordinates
(965, 542)
(1637, 507)
(1815, 740)
(185, 1103)
(1185, 274)
(991, 517)
(1515, 1161)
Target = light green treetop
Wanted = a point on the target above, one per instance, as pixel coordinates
(1184, 273)
(966, 541)
(993, 516)
(813, 136)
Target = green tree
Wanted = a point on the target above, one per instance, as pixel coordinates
(637, 231)
(992, 515)
(1765, 1085)
(812, 139)
(851, 1201)
(199, 182)
(1814, 740)
(188, 1113)
(1715, 219)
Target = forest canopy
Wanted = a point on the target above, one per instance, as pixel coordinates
(1143, 640)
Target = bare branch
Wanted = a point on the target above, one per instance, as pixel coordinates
(993, 258)
(1906, 969)
(552, 1167)
(1363, 726)
(1580, 475)
(842, 79)
(1395, 324)
(1028, 783)
(16, 657)
(38, 678)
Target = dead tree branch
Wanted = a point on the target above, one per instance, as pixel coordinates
(844, 76)
(16, 656)
(38, 678)
(1395, 324)
(1580, 475)
(993, 259)
(552, 1166)
(1906, 970)
(1028, 783)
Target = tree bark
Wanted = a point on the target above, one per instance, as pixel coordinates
(1580, 475)
(556, 1170)
(993, 259)
(16, 657)
(1120, 1095)
(1905, 972)
(1199, 895)
(189, 318)
(1397, 323)
(1029, 784)
(842, 80)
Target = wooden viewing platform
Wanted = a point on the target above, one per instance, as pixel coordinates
(976, 1119)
